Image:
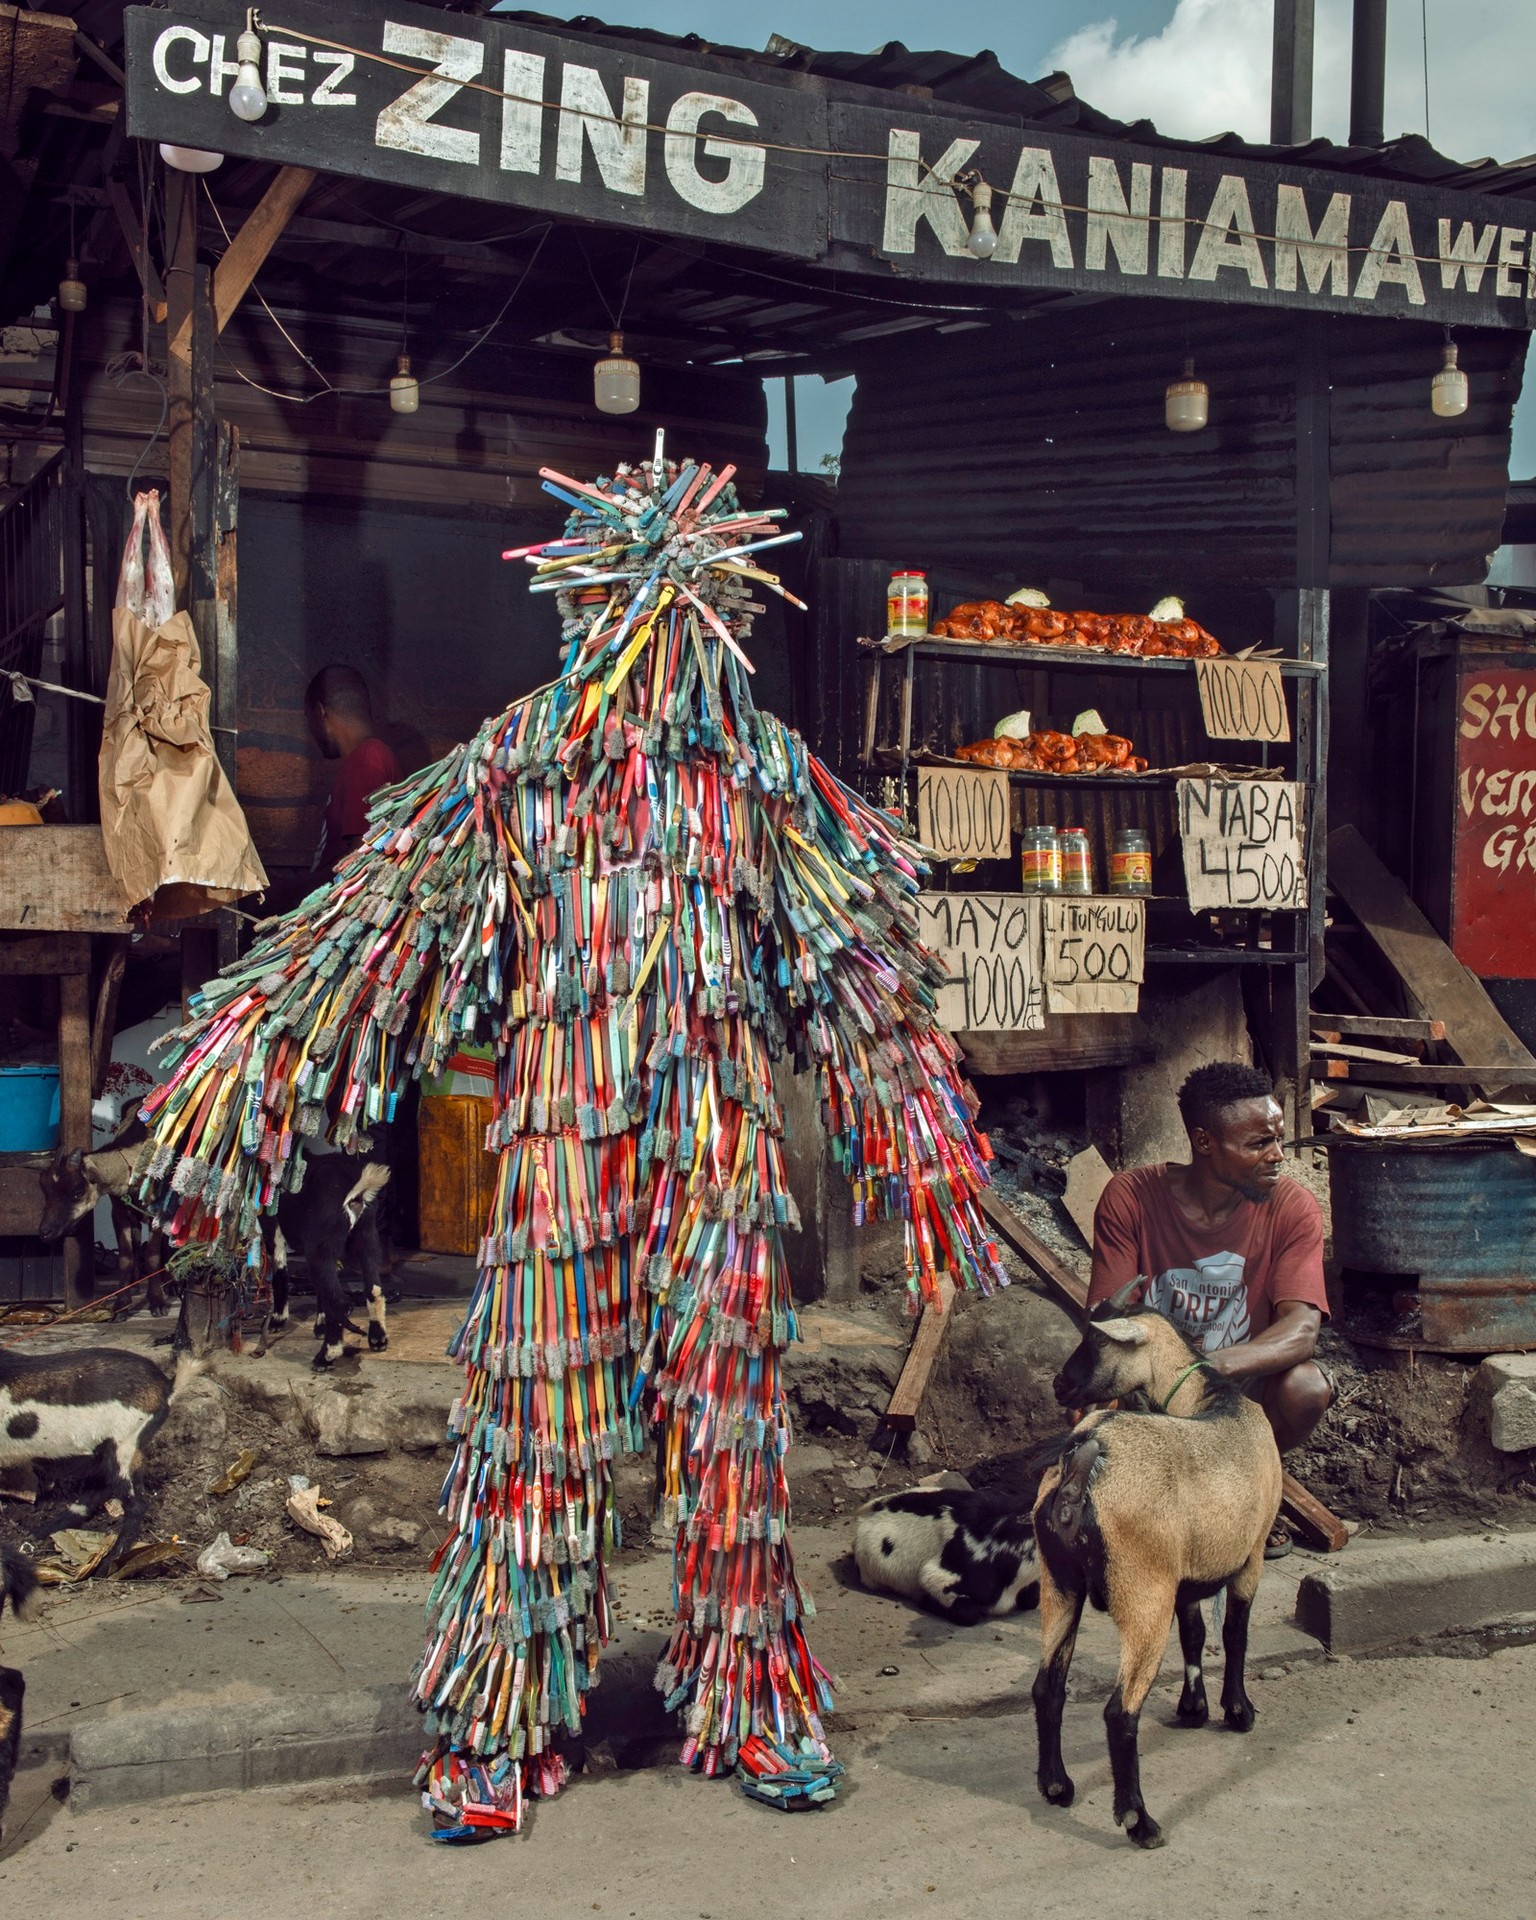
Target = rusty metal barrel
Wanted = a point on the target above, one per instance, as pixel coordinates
(1461, 1219)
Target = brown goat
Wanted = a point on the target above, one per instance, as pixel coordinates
(1147, 1516)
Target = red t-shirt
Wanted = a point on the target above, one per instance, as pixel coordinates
(1217, 1288)
(370, 765)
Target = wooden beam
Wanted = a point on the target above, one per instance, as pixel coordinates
(249, 249)
(1379, 1074)
(1378, 1026)
(133, 236)
(181, 225)
(75, 1113)
(901, 1414)
(1318, 1526)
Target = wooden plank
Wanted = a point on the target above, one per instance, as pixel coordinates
(21, 1197)
(104, 1022)
(1344, 1050)
(1318, 1526)
(181, 191)
(1438, 986)
(75, 1115)
(133, 236)
(56, 880)
(51, 953)
(901, 1414)
(1378, 1026)
(1033, 1251)
(1068, 1043)
(1488, 1073)
(248, 250)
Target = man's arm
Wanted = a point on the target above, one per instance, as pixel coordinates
(1290, 1338)
(1116, 1242)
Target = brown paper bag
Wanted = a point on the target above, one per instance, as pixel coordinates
(173, 829)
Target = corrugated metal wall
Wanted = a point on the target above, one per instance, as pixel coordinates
(1038, 451)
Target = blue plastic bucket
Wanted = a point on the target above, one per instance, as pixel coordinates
(29, 1109)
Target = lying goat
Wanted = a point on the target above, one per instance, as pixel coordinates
(1148, 1516)
(967, 1555)
(18, 1584)
(333, 1215)
(73, 1182)
(81, 1421)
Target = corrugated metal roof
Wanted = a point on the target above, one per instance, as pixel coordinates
(1041, 451)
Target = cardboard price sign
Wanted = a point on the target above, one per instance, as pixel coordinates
(964, 815)
(1244, 843)
(990, 946)
(1095, 953)
(1243, 700)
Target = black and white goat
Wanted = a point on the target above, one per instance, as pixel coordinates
(969, 1556)
(81, 1420)
(74, 1182)
(1146, 1516)
(18, 1584)
(332, 1216)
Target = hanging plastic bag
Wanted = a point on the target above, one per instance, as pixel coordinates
(173, 830)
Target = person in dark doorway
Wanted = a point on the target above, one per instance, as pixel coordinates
(340, 716)
(1231, 1248)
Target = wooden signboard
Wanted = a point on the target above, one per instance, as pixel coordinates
(990, 946)
(1493, 858)
(1243, 699)
(1244, 843)
(963, 814)
(791, 163)
(1095, 952)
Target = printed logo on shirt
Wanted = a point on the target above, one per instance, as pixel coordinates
(1207, 1302)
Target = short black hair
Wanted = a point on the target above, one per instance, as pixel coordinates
(1210, 1090)
(340, 689)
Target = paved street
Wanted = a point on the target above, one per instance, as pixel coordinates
(1370, 1788)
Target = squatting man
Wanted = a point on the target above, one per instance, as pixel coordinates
(1233, 1248)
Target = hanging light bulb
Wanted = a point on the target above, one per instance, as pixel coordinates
(189, 159)
(982, 240)
(1187, 403)
(404, 393)
(1448, 391)
(72, 291)
(247, 97)
(616, 380)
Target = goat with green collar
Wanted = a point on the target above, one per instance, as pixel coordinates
(1146, 1516)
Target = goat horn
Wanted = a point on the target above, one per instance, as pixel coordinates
(1121, 1298)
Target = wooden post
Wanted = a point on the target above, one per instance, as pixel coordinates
(83, 720)
(75, 1103)
(181, 223)
(1290, 82)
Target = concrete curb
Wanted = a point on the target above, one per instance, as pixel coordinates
(1432, 1587)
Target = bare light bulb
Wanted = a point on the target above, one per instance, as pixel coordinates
(1187, 403)
(189, 159)
(1448, 391)
(404, 392)
(72, 289)
(247, 97)
(616, 380)
(982, 240)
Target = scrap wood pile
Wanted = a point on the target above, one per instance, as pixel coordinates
(642, 891)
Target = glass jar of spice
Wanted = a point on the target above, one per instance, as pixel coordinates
(1042, 860)
(1130, 862)
(1076, 861)
(906, 604)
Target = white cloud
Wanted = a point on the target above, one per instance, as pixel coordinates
(1207, 72)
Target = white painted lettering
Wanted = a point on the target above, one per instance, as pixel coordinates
(1228, 237)
(745, 166)
(341, 65)
(1324, 255)
(1114, 222)
(1467, 254)
(198, 42)
(219, 68)
(1173, 192)
(1474, 709)
(408, 123)
(617, 139)
(1034, 211)
(1389, 260)
(285, 62)
(913, 193)
(522, 111)
(1511, 262)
